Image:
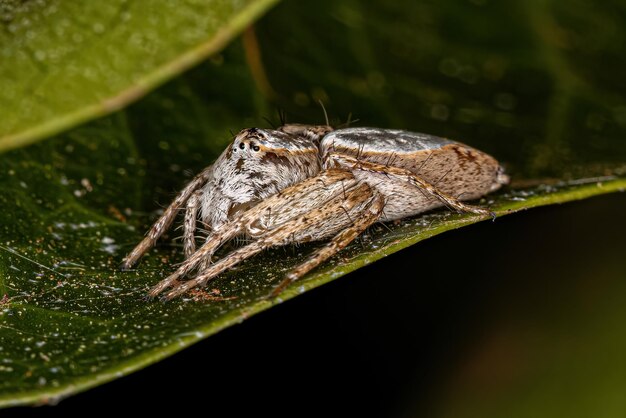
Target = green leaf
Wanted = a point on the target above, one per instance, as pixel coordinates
(75, 204)
(64, 63)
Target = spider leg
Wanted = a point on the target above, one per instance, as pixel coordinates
(412, 178)
(165, 221)
(205, 252)
(256, 217)
(369, 215)
(213, 270)
(323, 219)
(191, 215)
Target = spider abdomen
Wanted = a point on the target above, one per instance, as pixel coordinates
(452, 167)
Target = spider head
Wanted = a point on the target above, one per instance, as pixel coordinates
(248, 143)
(257, 142)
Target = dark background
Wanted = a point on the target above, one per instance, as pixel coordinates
(389, 340)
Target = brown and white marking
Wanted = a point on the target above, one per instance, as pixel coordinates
(303, 183)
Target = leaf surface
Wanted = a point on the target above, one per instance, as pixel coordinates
(75, 204)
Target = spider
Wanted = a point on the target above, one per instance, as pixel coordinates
(301, 183)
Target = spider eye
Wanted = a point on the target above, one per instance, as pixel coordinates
(242, 145)
(256, 148)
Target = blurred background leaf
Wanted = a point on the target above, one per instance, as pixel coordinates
(68, 62)
(526, 82)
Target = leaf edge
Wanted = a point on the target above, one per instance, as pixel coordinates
(146, 84)
(55, 395)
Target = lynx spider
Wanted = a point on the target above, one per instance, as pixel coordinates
(303, 183)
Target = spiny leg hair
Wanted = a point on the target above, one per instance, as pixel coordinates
(370, 214)
(165, 221)
(280, 206)
(189, 225)
(412, 178)
(302, 228)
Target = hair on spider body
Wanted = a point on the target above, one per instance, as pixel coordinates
(302, 183)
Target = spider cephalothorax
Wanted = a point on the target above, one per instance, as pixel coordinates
(303, 183)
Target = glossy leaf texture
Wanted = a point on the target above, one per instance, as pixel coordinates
(67, 62)
(521, 81)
